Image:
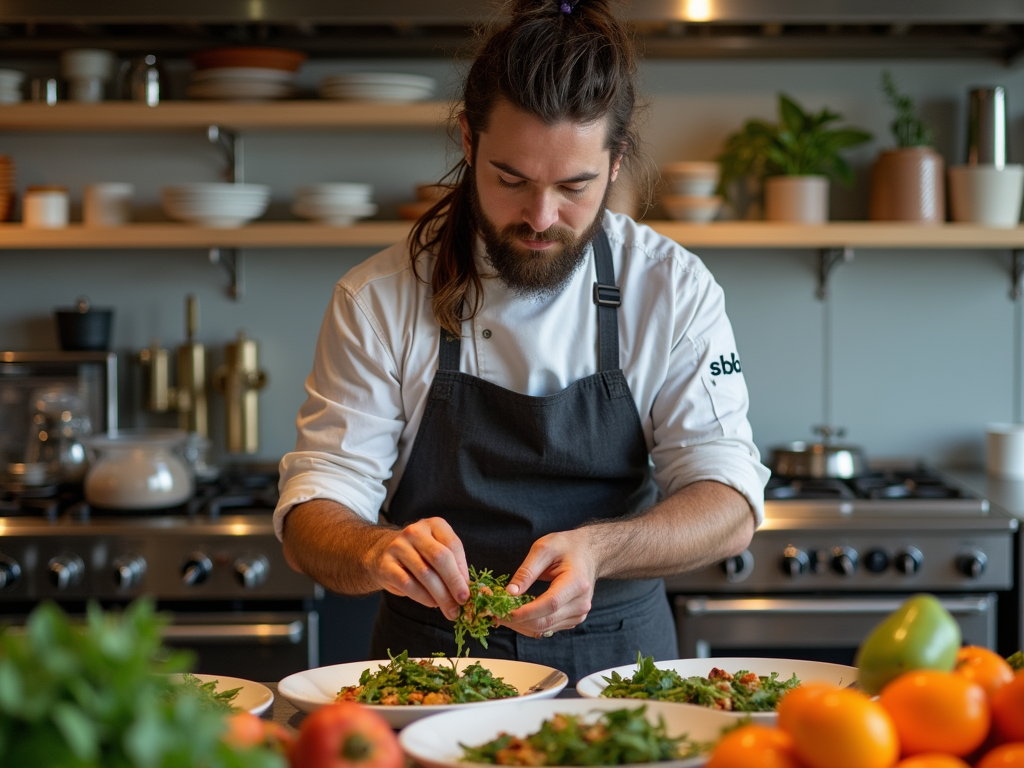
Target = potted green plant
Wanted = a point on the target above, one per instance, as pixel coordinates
(907, 182)
(795, 158)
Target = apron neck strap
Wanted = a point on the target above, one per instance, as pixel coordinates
(606, 297)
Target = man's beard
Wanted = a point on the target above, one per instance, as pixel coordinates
(536, 274)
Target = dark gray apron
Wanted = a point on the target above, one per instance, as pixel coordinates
(504, 469)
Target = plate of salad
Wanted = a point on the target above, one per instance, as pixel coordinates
(404, 689)
(567, 732)
(229, 694)
(738, 686)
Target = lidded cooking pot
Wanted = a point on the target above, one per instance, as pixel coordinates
(823, 459)
(138, 469)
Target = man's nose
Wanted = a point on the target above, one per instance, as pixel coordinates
(541, 212)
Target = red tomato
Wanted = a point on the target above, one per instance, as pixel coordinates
(346, 735)
(246, 730)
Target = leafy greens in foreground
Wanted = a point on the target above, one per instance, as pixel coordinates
(739, 692)
(488, 601)
(617, 737)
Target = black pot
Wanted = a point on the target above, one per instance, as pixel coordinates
(84, 329)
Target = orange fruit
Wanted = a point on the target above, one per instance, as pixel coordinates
(932, 760)
(1008, 709)
(1004, 756)
(754, 746)
(244, 730)
(937, 711)
(984, 667)
(838, 728)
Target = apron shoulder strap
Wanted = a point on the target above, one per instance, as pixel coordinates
(607, 298)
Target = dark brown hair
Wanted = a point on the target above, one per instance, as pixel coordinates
(557, 60)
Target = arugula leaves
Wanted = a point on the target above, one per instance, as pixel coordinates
(488, 601)
(739, 692)
(422, 682)
(208, 694)
(100, 695)
(617, 737)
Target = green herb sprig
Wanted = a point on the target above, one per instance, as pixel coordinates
(650, 682)
(617, 737)
(908, 129)
(488, 602)
(208, 695)
(1016, 660)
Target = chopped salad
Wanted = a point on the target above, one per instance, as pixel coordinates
(425, 682)
(740, 691)
(488, 602)
(617, 737)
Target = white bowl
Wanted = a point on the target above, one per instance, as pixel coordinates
(341, 192)
(691, 178)
(806, 671)
(329, 212)
(84, 63)
(692, 208)
(215, 204)
(986, 194)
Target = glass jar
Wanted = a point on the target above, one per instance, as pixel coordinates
(138, 469)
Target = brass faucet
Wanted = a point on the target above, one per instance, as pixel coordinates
(240, 379)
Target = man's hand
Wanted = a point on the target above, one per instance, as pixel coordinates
(425, 561)
(567, 560)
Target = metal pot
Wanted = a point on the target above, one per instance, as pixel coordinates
(824, 459)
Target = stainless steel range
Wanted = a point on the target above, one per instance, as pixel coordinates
(213, 563)
(833, 557)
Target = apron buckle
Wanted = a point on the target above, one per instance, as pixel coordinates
(607, 295)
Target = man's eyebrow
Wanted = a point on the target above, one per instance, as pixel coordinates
(579, 177)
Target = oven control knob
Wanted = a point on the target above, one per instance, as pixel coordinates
(10, 572)
(66, 571)
(876, 560)
(844, 560)
(738, 568)
(909, 560)
(128, 571)
(252, 570)
(795, 561)
(972, 564)
(196, 569)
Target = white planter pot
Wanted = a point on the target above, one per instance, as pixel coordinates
(801, 199)
(986, 194)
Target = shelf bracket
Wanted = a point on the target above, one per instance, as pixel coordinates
(1016, 272)
(828, 259)
(230, 144)
(231, 260)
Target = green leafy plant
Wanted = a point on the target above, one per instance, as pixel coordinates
(801, 143)
(908, 129)
(100, 694)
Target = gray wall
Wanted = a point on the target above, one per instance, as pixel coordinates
(921, 348)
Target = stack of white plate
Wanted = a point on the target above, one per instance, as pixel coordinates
(340, 204)
(241, 83)
(10, 86)
(215, 204)
(377, 86)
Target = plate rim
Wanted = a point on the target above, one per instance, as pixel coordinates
(241, 682)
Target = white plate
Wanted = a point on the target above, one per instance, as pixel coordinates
(434, 742)
(380, 78)
(253, 697)
(236, 74)
(806, 671)
(316, 688)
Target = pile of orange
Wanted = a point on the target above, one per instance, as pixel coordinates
(972, 715)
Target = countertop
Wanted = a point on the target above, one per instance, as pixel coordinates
(1007, 495)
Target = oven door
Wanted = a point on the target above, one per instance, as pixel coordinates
(813, 628)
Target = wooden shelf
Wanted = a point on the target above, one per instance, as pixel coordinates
(186, 115)
(299, 234)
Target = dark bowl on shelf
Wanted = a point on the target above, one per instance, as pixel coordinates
(84, 329)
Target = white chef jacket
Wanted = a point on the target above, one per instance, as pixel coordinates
(377, 354)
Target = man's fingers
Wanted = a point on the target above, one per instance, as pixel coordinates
(427, 565)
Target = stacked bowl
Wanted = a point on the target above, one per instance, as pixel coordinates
(340, 204)
(244, 74)
(10, 86)
(692, 186)
(377, 86)
(215, 204)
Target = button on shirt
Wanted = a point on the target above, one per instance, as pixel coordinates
(377, 353)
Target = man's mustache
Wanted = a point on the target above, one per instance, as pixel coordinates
(526, 232)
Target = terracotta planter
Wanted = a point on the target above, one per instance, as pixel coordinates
(908, 185)
(802, 199)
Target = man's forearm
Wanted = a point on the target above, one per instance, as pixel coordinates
(697, 526)
(334, 546)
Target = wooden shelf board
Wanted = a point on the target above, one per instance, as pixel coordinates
(298, 234)
(184, 115)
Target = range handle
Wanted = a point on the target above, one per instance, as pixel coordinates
(766, 606)
(262, 633)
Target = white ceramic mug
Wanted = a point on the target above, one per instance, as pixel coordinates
(107, 204)
(1005, 451)
(986, 194)
(45, 207)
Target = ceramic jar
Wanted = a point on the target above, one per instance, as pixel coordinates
(798, 199)
(908, 184)
(138, 469)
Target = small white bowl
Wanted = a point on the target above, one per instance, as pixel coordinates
(349, 193)
(85, 63)
(697, 209)
(691, 178)
(214, 204)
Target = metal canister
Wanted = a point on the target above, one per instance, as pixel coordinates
(986, 126)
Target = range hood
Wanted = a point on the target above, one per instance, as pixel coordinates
(991, 29)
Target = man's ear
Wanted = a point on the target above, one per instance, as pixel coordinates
(467, 138)
(615, 168)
